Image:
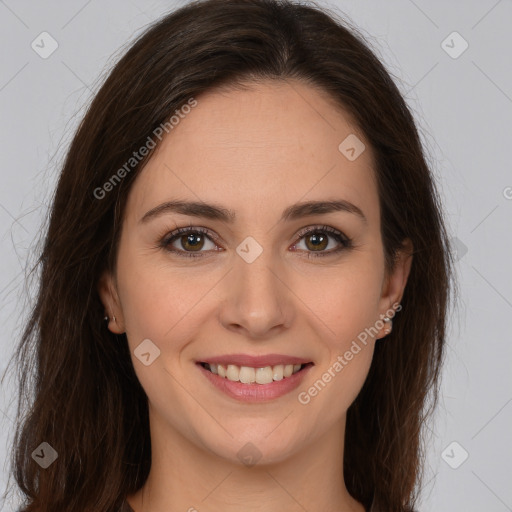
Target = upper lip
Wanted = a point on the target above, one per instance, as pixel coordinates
(254, 361)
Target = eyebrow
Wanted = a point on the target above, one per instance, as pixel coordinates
(217, 212)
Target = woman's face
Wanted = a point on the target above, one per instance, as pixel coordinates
(269, 278)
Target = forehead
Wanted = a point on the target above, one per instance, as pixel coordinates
(275, 142)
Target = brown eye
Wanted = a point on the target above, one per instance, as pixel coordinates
(193, 241)
(318, 238)
(316, 241)
(187, 241)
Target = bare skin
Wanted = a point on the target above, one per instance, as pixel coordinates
(255, 152)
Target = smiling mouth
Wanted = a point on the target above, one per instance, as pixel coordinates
(250, 375)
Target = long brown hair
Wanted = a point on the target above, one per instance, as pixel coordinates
(86, 401)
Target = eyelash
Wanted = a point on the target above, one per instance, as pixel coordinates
(346, 243)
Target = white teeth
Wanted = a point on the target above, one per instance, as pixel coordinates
(232, 372)
(248, 375)
(264, 375)
(278, 372)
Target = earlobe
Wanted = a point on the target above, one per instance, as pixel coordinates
(108, 295)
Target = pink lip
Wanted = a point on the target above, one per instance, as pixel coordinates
(254, 361)
(256, 392)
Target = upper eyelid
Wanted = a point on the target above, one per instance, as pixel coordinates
(206, 231)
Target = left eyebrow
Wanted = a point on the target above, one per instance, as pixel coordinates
(217, 212)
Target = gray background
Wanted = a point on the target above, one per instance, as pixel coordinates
(463, 107)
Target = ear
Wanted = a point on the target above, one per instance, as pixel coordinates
(394, 283)
(107, 291)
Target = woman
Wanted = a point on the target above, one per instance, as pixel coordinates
(244, 282)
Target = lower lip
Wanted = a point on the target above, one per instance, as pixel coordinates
(256, 392)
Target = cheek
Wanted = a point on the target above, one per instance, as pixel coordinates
(155, 296)
(345, 312)
(345, 301)
(345, 305)
(148, 303)
(155, 307)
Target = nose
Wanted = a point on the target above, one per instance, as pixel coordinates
(256, 301)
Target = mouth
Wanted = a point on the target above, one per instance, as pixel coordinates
(252, 375)
(254, 383)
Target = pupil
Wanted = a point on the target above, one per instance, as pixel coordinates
(317, 240)
(190, 240)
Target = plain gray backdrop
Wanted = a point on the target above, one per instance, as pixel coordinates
(451, 60)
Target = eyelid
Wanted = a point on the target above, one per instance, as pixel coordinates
(166, 240)
(319, 227)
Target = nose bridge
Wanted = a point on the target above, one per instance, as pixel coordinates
(257, 299)
(256, 279)
(258, 276)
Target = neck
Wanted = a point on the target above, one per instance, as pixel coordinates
(187, 477)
